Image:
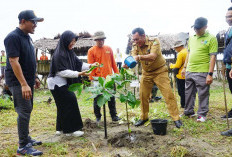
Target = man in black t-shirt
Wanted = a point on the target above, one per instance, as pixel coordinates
(20, 76)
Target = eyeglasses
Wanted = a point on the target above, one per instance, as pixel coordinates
(99, 39)
(34, 22)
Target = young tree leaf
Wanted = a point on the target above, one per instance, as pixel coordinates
(80, 90)
(131, 97)
(122, 71)
(137, 103)
(129, 72)
(92, 97)
(101, 81)
(125, 82)
(101, 101)
(118, 82)
(107, 95)
(108, 78)
(123, 98)
(91, 69)
(87, 83)
(75, 87)
(110, 84)
(119, 87)
(116, 77)
(131, 104)
(94, 67)
(95, 90)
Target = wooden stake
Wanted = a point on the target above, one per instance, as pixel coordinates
(128, 123)
(105, 127)
(224, 79)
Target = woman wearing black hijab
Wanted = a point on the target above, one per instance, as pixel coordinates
(64, 70)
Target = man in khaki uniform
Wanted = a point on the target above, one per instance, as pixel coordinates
(154, 70)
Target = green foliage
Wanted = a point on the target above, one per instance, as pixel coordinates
(130, 98)
(76, 87)
(5, 101)
(94, 67)
(179, 151)
(106, 90)
(87, 83)
(101, 100)
(57, 148)
(101, 80)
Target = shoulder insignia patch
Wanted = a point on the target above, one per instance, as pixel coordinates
(151, 38)
(155, 43)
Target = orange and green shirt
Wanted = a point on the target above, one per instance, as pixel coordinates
(102, 55)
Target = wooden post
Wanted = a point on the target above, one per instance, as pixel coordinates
(224, 80)
(105, 127)
(218, 72)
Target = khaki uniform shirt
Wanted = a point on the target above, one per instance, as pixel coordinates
(152, 45)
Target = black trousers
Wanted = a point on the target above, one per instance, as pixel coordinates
(68, 114)
(229, 79)
(181, 91)
(119, 64)
(111, 105)
(154, 91)
(23, 108)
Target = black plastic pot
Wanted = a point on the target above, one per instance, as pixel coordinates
(159, 126)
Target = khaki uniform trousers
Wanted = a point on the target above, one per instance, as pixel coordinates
(161, 79)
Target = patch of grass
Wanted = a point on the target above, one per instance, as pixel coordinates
(56, 148)
(43, 121)
(9, 151)
(179, 151)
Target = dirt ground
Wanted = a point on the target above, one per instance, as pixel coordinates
(192, 140)
(142, 142)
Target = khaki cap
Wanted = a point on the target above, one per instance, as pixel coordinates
(178, 44)
(99, 35)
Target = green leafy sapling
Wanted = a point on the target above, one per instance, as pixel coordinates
(94, 67)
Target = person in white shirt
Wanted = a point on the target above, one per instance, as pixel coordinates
(64, 70)
(118, 58)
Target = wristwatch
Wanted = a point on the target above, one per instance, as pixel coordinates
(210, 73)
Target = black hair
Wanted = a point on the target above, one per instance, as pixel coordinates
(139, 30)
(230, 8)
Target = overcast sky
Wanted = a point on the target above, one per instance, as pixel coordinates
(116, 18)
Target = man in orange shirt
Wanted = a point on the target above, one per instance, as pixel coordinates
(103, 55)
(43, 57)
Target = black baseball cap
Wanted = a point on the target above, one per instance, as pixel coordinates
(200, 22)
(29, 15)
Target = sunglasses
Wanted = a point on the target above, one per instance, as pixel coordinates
(34, 22)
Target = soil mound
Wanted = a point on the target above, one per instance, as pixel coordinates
(136, 140)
